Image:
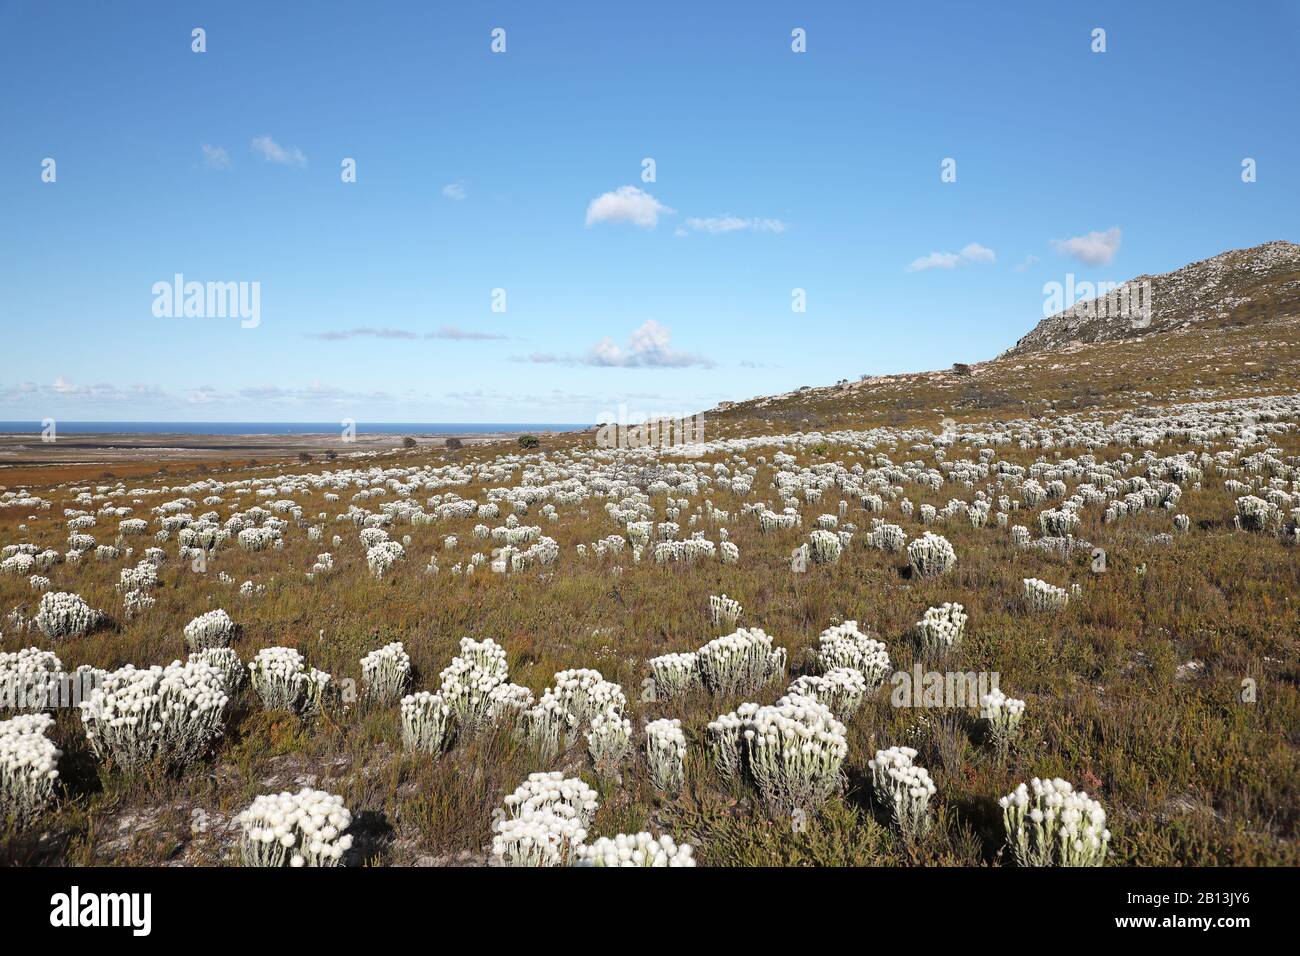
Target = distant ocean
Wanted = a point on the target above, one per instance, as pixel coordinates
(282, 428)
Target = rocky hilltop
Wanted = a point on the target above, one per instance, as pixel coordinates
(1239, 287)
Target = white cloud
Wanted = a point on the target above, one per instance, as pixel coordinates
(649, 346)
(730, 223)
(215, 157)
(315, 392)
(448, 332)
(62, 397)
(454, 190)
(627, 204)
(363, 333)
(972, 252)
(458, 334)
(935, 260)
(61, 389)
(1029, 261)
(1094, 249)
(273, 152)
(203, 395)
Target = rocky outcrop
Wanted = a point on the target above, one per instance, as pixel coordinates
(1243, 286)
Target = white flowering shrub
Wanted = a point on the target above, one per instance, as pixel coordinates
(427, 723)
(1002, 716)
(941, 627)
(275, 674)
(638, 533)
(740, 663)
(307, 828)
(28, 768)
(62, 615)
(509, 705)
(638, 849)
(904, 789)
(723, 611)
(132, 527)
(1256, 514)
(278, 675)
(886, 537)
(685, 552)
(769, 521)
(794, 753)
(43, 561)
(225, 662)
(931, 555)
(1058, 522)
(547, 725)
(26, 677)
(840, 688)
(543, 821)
(544, 553)
(469, 680)
(80, 542)
(665, 751)
(844, 645)
(585, 693)
(140, 578)
(1049, 823)
(257, 539)
(824, 546)
(1041, 596)
(17, 564)
(674, 674)
(381, 558)
(487, 655)
(211, 629)
(166, 716)
(135, 603)
(609, 740)
(725, 736)
(386, 672)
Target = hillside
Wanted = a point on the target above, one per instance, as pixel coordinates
(1238, 287)
(1186, 365)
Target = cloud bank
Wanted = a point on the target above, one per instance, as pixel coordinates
(649, 346)
(447, 332)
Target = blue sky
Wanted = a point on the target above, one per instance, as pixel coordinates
(477, 171)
